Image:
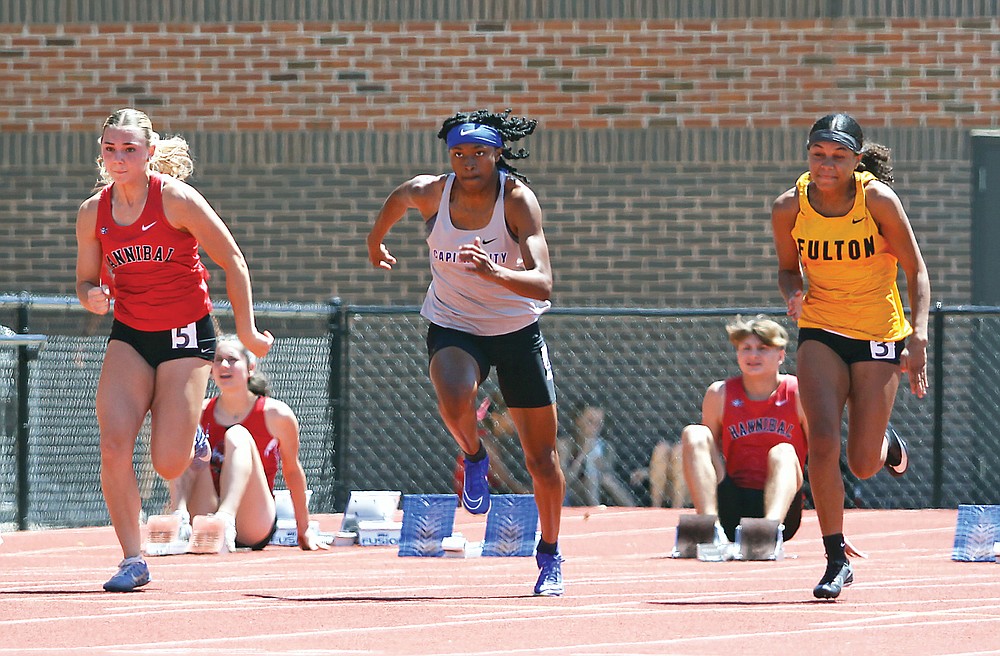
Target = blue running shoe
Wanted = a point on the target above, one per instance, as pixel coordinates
(550, 581)
(476, 489)
(132, 573)
(202, 449)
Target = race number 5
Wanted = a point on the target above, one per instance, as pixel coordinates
(184, 337)
(883, 350)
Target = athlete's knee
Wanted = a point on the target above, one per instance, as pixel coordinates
(782, 455)
(863, 467)
(543, 464)
(237, 435)
(695, 437)
(172, 468)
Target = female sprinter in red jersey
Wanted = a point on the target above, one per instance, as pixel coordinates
(137, 242)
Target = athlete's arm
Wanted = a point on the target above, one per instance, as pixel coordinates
(422, 193)
(187, 210)
(888, 212)
(282, 423)
(93, 296)
(783, 213)
(524, 216)
(711, 410)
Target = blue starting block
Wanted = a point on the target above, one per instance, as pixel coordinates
(427, 520)
(977, 528)
(511, 526)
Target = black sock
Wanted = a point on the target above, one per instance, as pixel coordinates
(834, 545)
(478, 455)
(547, 548)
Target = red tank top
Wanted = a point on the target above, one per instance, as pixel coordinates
(153, 269)
(751, 428)
(267, 444)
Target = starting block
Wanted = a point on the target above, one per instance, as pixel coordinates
(208, 535)
(693, 530)
(511, 526)
(165, 536)
(427, 520)
(760, 539)
(976, 532)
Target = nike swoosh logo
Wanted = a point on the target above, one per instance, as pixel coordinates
(147, 227)
(857, 220)
(465, 131)
(489, 241)
(779, 403)
(470, 503)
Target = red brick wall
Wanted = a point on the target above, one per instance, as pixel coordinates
(661, 142)
(570, 74)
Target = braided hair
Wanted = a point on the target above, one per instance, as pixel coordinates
(511, 128)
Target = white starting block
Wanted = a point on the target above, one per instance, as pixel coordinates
(208, 535)
(760, 539)
(977, 531)
(164, 536)
(286, 533)
(456, 546)
(369, 519)
(693, 530)
(428, 519)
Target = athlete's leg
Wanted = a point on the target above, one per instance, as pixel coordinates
(873, 392)
(176, 411)
(703, 467)
(202, 498)
(824, 381)
(455, 375)
(658, 473)
(536, 428)
(244, 493)
(124, 395)
(784, 480)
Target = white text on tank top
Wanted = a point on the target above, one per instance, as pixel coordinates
(460, 299)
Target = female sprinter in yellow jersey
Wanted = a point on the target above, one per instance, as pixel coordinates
(844, 230)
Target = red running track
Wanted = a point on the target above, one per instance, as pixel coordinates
(624, 596)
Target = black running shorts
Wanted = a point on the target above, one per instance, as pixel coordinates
(521, 358)
(854, 350)
(736, 502)
(195, 340)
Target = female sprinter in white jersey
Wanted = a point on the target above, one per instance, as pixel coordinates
(491, 281)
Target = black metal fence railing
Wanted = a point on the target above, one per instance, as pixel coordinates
(356, 376)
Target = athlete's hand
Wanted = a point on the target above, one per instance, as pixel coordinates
(853, 551)
(795, 305)
(478, 260)
(99, 299)
(258, 343)
(913, 360)
(380, 257)
(309, 541)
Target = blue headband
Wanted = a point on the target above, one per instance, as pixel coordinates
(836, 136)
(474, 133)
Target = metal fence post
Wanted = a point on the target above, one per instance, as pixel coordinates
(938, 387)
(338, 394)
(23, 356)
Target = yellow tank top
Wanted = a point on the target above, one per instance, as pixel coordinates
(850, 271)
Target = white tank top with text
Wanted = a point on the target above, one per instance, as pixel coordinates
(460, 299)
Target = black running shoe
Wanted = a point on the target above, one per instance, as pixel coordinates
(838, 576)
(896, 460)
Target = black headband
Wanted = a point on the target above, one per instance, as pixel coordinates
(836, 136)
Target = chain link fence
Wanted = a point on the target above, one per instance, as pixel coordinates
(357, 378)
